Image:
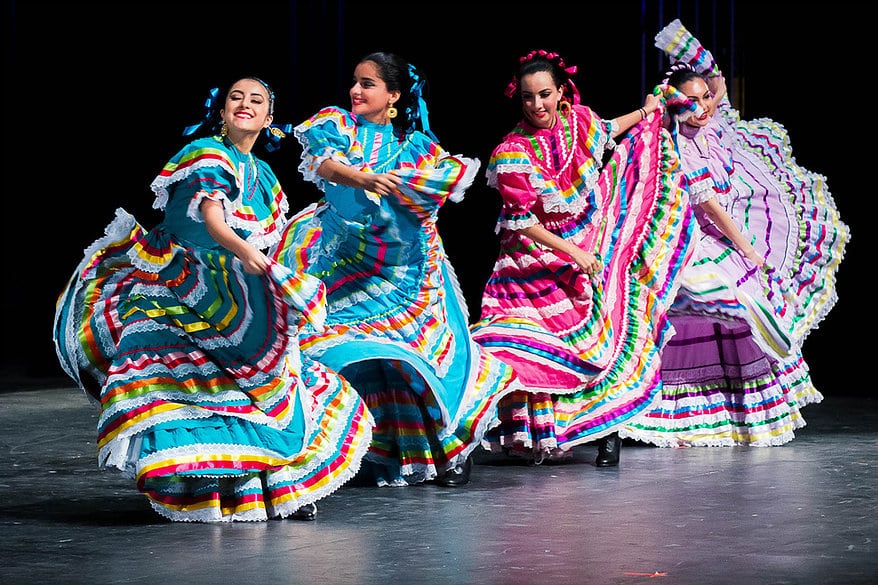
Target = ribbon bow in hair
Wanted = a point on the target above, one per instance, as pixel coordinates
(420, 113)
(209, 105)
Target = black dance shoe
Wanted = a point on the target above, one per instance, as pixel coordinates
(608, 451)
(458, 476)
(306, 512)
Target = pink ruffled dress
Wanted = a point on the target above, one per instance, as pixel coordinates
(588, 349)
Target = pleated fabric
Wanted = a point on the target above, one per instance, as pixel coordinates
(397, 322)
(588, 350)
(734, 373)
(205, 398)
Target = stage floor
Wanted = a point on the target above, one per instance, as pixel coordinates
(801, 513)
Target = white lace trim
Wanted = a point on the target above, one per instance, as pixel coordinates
(160, 184)
(518, 224)
(256, 237)
(701, 191)
(472, 166)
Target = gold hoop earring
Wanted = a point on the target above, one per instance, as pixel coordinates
(224, 131)
(564, 108)
(391, 112)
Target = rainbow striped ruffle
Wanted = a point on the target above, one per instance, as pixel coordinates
(589, 351)
(204, 397)
(734, 372)
(679, 44)
(397, 322)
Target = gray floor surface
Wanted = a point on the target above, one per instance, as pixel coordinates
(802, 513)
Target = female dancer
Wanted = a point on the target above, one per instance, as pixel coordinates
(589, 259)
(770, 242)
(397, 323)
(186, 337)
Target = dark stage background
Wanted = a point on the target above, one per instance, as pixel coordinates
(97, 96)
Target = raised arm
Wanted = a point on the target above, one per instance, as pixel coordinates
(624, 122)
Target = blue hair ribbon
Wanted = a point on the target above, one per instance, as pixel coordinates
(275, 133)
(209, 105)
(421, 113)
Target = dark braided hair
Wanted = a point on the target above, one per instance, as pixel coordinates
(681, 73)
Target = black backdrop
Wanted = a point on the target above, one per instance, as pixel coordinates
(97, 96)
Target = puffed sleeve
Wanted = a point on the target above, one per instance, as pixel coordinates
(707, 173)
(512, 173)
(203, 166)
(330, 133)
